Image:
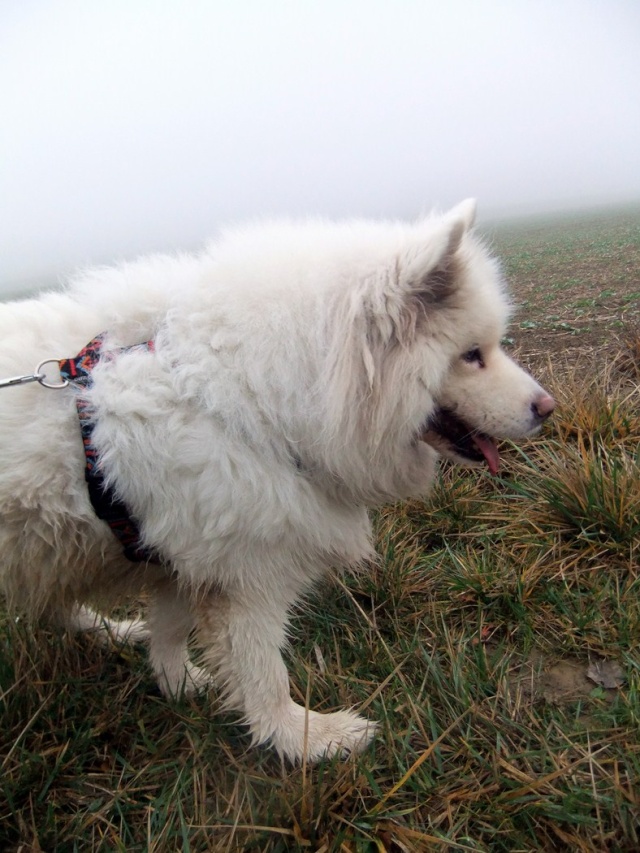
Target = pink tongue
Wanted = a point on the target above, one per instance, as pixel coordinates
(487, 447)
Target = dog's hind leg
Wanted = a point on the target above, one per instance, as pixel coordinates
(242, 637)
(170, 623)
(83, 619)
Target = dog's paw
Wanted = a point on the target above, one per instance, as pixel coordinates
(310, 735)
(197, 680)
(107, 631)
(128, 630)
(187, 680)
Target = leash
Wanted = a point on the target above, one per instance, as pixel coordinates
(106, 504)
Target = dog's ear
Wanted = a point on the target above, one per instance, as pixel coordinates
(465, 211)
(427, 271)
(432, 272)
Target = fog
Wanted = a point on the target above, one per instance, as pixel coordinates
(130, 125)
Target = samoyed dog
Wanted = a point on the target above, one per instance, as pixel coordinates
(236, 415)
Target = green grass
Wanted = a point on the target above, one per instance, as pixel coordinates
(469, 642)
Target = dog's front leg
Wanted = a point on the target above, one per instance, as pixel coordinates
(171, 618)
(242, 638)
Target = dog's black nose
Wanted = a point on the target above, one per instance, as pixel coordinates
(542, 406)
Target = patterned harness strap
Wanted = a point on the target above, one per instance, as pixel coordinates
(104, 500)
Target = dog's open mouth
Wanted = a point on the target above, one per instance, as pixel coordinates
(447, 432)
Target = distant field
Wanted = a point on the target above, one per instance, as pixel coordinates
(575, 280)
(497, 643)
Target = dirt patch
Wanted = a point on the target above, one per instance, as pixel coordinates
(566, 681)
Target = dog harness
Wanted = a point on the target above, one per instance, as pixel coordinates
(106, 504)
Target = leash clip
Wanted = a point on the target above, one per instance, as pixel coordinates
(38, 376)
(20, 380)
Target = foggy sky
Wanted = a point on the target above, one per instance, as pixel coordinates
(132, 125)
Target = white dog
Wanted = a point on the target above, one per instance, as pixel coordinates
(299, 374)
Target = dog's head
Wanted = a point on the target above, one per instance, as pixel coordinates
(484, 395)
(424, 369)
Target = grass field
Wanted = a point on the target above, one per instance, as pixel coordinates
(497, 642)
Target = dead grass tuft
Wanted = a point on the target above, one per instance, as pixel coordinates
(627, 361)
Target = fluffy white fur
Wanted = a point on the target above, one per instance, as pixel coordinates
(296, 374)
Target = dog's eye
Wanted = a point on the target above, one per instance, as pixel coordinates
(474, 356)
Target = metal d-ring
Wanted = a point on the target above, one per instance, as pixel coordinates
(41, 378)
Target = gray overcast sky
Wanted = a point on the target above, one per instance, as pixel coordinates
(135, 125)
